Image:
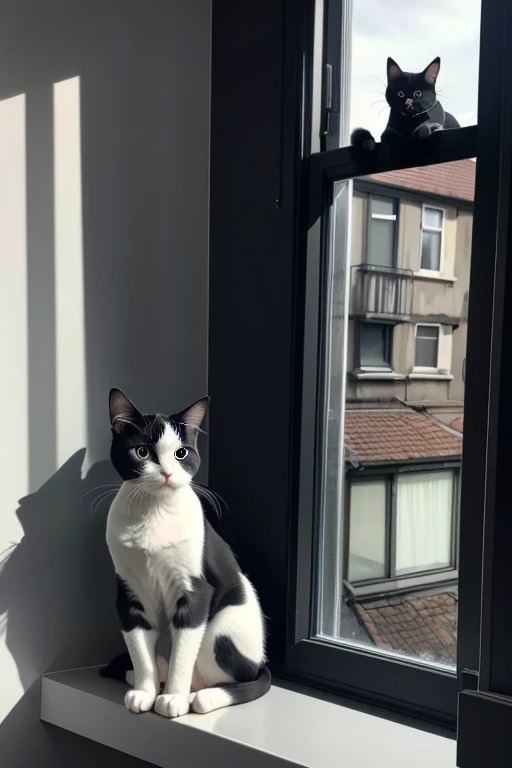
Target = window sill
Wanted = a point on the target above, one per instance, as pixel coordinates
(377, 375)
(433, 376)
(285, 728)
(426, 275)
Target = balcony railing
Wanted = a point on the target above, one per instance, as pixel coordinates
(381, 292)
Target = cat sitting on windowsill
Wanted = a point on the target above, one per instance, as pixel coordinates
(415, 112)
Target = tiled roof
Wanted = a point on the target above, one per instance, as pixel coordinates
(424, 626)
(397, 435)
(455, 179)
(458, 424)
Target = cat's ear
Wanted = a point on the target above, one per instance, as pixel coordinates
(431, 72)
(123, 411)
(394, 70)
(192, 417)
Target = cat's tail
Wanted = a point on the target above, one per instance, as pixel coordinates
(362, 138)
(227, 694)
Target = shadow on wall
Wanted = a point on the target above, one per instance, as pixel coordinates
(56, 585)
(110, 290)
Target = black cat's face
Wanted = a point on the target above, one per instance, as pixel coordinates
(411, 93)
(160, 452)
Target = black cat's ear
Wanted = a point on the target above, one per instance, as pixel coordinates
(123, 411)
(394, 70)
(431, 72)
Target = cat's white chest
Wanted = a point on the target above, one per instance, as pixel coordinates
(167, 536)
(155, 532)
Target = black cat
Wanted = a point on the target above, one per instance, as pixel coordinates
(415, 112)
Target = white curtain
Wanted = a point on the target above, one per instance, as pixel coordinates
(424, 521)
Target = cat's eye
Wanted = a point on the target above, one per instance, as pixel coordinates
(142, 452)
(418, 94)
(401, 94)
(181, 454)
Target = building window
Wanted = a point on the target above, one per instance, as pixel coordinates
(432, 239)
(426, 353)
(375, 346)
(382, 218)
(401, 525)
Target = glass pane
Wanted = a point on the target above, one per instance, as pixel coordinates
(376, 29)
(424, 521)
(432, 218)
(367, 550)
(383, 206)
(430, 250)
(373, 345)
(387, 579)
(427, 343)
(382, 242)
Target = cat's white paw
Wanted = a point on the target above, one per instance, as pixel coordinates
(172, 704)
(139, 701)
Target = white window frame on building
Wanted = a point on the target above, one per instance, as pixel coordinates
(434, 230)
(426, 368)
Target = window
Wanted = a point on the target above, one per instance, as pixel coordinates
(381, 250)
(376, 341)
(432, 239)
(426, 353)
(419, 526)
(299, 345)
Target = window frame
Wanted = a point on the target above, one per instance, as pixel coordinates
(388, 345)
(394, 582)
(395, 217)
(292, 190)
(426, 368)
(441, 231)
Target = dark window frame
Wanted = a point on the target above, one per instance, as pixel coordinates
(368, 234)
(402, 582)
(291, 191)
(388, 346)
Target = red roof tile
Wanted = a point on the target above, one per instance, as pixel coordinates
(455, 179)
(424, 626)
(397, 435)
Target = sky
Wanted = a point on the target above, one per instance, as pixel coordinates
(414, 33)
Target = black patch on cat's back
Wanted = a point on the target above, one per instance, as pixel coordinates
(234, 663)
(221, 572)
(129, 609)
(192, 607)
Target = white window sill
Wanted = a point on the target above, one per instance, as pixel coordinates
(428, 275)
(433, 376)
(378, 375)
(283, 729)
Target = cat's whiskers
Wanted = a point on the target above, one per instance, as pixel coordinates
(97, 488)
(100, 499)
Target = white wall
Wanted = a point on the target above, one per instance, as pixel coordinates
(104, 134)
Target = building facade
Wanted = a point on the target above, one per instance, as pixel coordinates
(409, 287)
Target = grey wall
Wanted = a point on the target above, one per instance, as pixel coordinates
(103, 281)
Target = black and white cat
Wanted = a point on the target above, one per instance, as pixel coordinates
(176, 576)
(415, 112)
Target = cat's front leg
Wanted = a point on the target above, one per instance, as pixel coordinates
(140, 638)
(188, 626)
(425, 130)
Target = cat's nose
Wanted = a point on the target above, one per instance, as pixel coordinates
(408, 102)
(167, 475)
